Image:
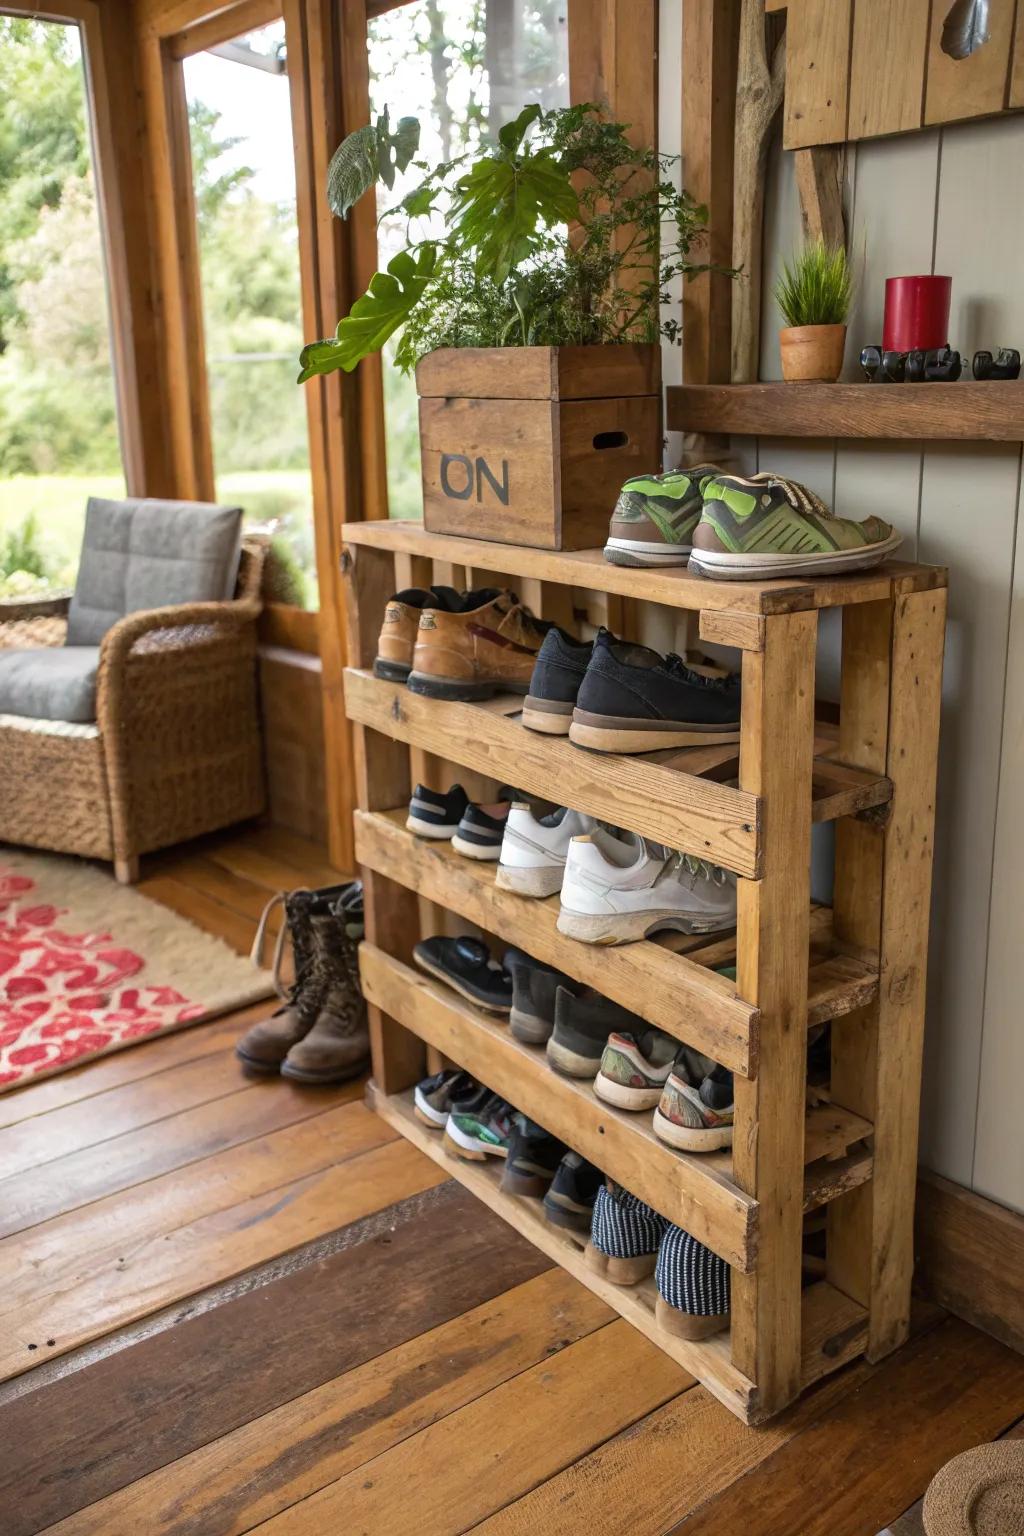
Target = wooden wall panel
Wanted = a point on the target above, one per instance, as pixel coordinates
(887, 79)
(293, 737)
(817, 72)
(977, 85)
(1015, 95)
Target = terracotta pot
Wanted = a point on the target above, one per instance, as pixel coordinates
(812, 352)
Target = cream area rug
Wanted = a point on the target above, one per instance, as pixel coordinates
(88, 966)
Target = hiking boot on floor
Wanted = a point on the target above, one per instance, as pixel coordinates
(569, 1202)
(693, 1287)
(477, 1130)
(398, 631)
(479, 651)
(533, 1158)
(655, 517)
(583, 1021)
(264, 1047)
(624, 1236)
(338, 1045)
(555, 682)
(766, 526)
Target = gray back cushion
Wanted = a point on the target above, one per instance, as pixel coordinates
(139, 554)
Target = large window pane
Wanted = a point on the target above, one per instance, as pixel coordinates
(244, 176)
(58, 416)
(464, 68)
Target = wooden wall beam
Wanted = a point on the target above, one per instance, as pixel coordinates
(819, 180)
(710, 44)
(760, 80)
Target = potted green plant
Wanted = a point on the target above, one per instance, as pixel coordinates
(532, 322)
(814, 295)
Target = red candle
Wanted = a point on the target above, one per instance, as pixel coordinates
(916, 313)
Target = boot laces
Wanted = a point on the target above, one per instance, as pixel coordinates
(800, 497)
(303, 972)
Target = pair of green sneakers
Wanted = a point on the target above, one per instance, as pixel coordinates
(739, 529)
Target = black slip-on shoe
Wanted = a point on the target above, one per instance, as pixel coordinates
(569, 1201)
(583, 1022)
(532, 1160)
(635, 700)
(436, 815)
(557, 674)
(466, 965)
(534, 989)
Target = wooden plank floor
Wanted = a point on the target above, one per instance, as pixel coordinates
(231, 1306)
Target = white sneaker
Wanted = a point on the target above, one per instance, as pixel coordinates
(620, 888)
(534, 849)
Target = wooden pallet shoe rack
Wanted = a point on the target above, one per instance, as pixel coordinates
(860, 964)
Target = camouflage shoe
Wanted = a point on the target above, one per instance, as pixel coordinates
(655, 517)
(752, 530)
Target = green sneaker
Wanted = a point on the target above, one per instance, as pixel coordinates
(767, 526)
(481, 1131)
(655, 517)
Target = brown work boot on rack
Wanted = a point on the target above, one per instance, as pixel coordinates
(338, 1044)
(487, 649)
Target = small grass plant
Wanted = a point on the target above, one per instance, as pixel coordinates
(816, 288)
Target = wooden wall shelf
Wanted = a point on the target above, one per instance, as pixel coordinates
(990, 410)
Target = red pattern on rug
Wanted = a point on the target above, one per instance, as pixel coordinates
(64, 995)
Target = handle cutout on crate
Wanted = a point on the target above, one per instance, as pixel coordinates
(611, 440)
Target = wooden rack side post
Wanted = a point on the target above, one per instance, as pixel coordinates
(776, 753)
(382, 783)
(883, 895)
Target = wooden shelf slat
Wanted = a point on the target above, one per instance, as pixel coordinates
(695, 1190)
(833, 1327)
(987, 410)
(710, 820)
(678, 992)
(677, 587)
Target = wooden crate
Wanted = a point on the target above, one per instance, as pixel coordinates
(860, 965)
(530, 445)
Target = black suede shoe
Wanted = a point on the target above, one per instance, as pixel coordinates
(466, 965)
(533, 1158)
(533, 996)
(569, 1201)
(436, 815)
(582, 1025)
(557, 674)
(635, 700)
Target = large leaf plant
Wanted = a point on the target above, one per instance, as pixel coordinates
(562, 233)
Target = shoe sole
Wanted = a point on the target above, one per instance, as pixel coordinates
(571, 1063)
(683, 1325)
(529, 882)
(617, 733)
(687, 1139)
(528, 1028)
(628, 927)
(391, 671)
(624, 1097)
(468, 1148)
(256, 1067)
(546, 716)
(460, 692)
(724, 566)
(432, 1117)
(637, 553)
(619, 1271)
(489, 854)
(461, 988)
(301, 1075)
(429, 829)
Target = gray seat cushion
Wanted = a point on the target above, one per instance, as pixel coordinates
(50, 683)
(139, 554)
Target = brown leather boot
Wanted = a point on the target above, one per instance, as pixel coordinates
(338, 1045)
(398, 631)
(263, 1047)
(486, 649)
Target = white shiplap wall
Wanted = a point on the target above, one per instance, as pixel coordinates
(949, 200)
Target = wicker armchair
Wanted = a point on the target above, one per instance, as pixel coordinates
(175, 750)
